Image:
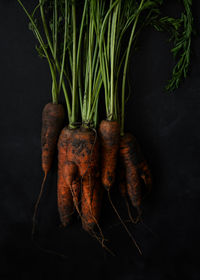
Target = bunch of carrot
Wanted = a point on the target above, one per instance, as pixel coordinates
(88, 57)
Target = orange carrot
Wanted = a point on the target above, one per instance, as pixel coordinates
(123, 191)
(81, 149)
(109, 132)
(64, 195)
(65, 200)
(91, 204)
(136, 170)
(69, 172)
(84, 150)
(128, 155)
(52, 122)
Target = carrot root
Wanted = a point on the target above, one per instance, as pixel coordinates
(34, 219)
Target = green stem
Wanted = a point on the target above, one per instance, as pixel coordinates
(55, 27)
(96, 90)
(90, 68)
(112, 60)
(74, 74)
(45, 27)
(54, 84)
(79, 53)
(55, 59)
(39, 38)
(64, 48)
(103, 55)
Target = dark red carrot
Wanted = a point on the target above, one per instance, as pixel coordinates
(78, 161)
(91, 205)
(76, 190)
(70, 173)
(109, 133)
(83, 150)
(128, 156)
(123, 191)
(64, 194)
(65, 200)
(136, 170)
(53, 116)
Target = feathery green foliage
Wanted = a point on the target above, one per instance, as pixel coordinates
(180, 31)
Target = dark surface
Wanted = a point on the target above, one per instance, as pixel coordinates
(167, 127)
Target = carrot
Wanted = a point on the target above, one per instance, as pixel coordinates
(69, 172)
(52, 122)
(91, 205)
(128, 155)
(64, 195)
(78, 160)
(124, 194)
(65, 200)
(83, 150)
(136, 170)
(109, 132)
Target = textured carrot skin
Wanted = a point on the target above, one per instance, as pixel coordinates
(128, 155)
(69, 172)
(64, 195)
(109, 133)
(53, 116)
(80, 148)
(65, 200)
(91, 204)
(83, 149)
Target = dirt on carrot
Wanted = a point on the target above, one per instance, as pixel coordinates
(78, 160)
(137, 173)
(91, 204)
(64, 194)
(128, 157)
(53, 116)
(83, 149)
(109, 132)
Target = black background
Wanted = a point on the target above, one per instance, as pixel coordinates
(167, 127)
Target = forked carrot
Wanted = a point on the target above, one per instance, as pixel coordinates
(83, 150)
